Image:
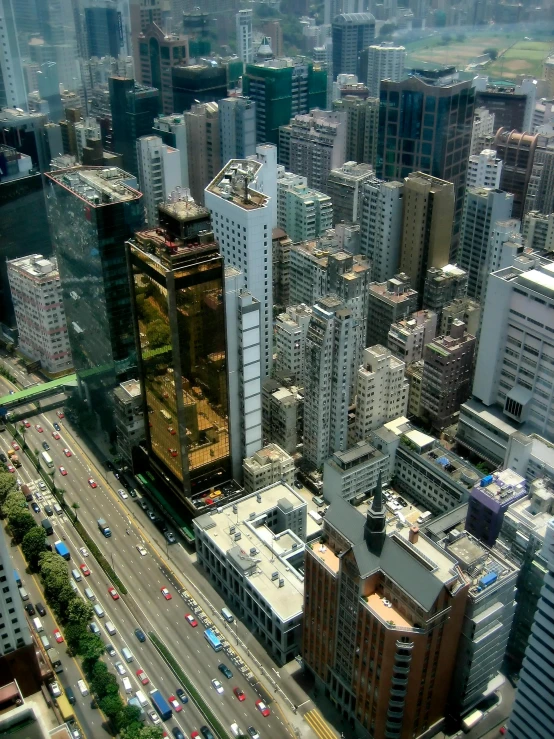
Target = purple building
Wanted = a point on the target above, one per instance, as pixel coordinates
(488, 501)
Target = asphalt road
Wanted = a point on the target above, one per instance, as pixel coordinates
(144, 577)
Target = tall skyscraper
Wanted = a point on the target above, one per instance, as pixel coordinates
(533, 711)
(158, 53)
(385, 61)
(13, 92)
(428, 211)
(203, 147)
(351, 34)
(92, 212)
(142, 13)
(427, 128)
(388, 302)
(134, 108)
(344, 185)
(517, 152)
(173, 131)
(362, 126)
(103, 31)
(198, 83)
(245, 49)
(328, 378)
(178, 303)
(302, 212)
(483, 130)
(381, 226)
(237, 128)
(159, 168)
(242, 218)
(512, 105)
(485, 169)
(49, 89)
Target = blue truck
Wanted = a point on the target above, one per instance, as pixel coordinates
(61, 549)
(161, 705)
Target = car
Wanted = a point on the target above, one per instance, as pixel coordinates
(42, 485)
(183, 697)
(171, 430)
(122, 494)
(113, 592)
(240, 694)
(166, 594)
(154, 717)
(170, 537)
(177, 733)
(3, 458)
(27, 424)
(60, 414)
(92, 483)
(110, 650)
(46, 446)
(175, 703)
(225, 670)
(35, 507)
(173, 452)
(151, 515)
(58, 636)
(142, 504)
(117, 474)
(503, 729)
(133, 493)
(39, 428)
(15, 446)
(55, 689)
(10, 468)
(30, 609)
(192, 621)
(48, 510)
(217, 686)
(262, 708)
(206, 733)
(143, 677)
(195, 735)
(298, 484)
(141, 550)
(56, 435)
(56, 426)
(120, 667)
(67, 452)
(63, 471)
(252, 732)
(41, 610)
(85, 570)
(141, 636)
(84, 551)
(94, 628)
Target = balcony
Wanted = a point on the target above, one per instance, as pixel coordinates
(400, 681)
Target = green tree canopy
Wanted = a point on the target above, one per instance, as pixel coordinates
(15, 503)
(493, 53)
(157, 333)
(52, 564)
(33, 546)
(112, 706)
(7, 483)
(142, 732)
(79, 612)
(65, 598)
(21, 522)
(91, 648)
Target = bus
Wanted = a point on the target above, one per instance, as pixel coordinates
(17, 579)
(47, 459)
(212, 640)
(65, 709)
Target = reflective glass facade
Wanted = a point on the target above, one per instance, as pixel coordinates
(180, 322)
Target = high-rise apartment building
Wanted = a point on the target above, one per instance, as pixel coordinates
(484, 170)
(483, 130)
(268, 465)
(483, 209)
(533, 711)
(282, 89)
(538, 231)
(92, 212)
(442, 286)
(385, 61)
(312, 145)
(159, 173)
(302, 212)
(158, 53)
(540, 193)
(344, 186)
(134, 108)
(388, 302)
(242, 222)
(381, 226)
(39, 312)
(517, 152)
(381, 391)
(407, 338)
(237, 128)
(203, 147)
(516, 351)
(245, 48)
(428, 214)
(291, 329)
(512, 105)
(447, 372)
(129, 418)
(427, 128)
(351, 34)
(13, 92)
(362, 127)
(177, 281)
(328, 379)
(172, 130)
(272, 29)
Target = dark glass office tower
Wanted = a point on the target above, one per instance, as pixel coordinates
(103, 31)
(178, 299)
(425, 126)
(133, 108)
(92, 212)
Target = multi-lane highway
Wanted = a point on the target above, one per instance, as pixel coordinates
(144, 576)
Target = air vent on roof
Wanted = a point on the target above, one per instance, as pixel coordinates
(252, 516)
(253, 551)
(281, 582)
(232, 530)
(238, 536)
(274, 575)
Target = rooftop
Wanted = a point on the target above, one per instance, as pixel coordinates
(233, 184)
(131, 387)
(268, 454)
(503, 486)
(97, 186)
(532, 514)
(358, 454)
(36, 266)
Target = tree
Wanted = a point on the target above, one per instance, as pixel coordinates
(65, 597)
(142, 732)
(22, 432)
(36, 452)
(7, 484)
(21, 523)
(75, 507)
(79, 612)
(387, 29)
(51, 564)
(33, 546)
(14, 503)
(91, 648)
(493, 53)
(52, 473)
(130, 715)
(102, 682)
(157, 333)
(112, 706)
(73, 633)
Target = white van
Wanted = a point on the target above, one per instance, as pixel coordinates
(110, 628)
(89, 594)
(99, 610)
(37, 623)
(141, 698)
(76, 575)
(58, 509)
(82, 687)
(24, 594)
(227, 615)
(127, 654)
(127, 685)
(45, 642)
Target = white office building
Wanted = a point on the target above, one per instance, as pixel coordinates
(15, 631)
(237, 128)
(384, 62)
(13, 93)
(159, 170)
(354, 472)
(291, 329)
(483, 130)
(245, 48)
(242, 224)
(242, 315)
(484, 170)
(382, 391)
(172, 129)
(344, 186)
(268, 465)
(37, 300)
(533, 710)
(381, 226)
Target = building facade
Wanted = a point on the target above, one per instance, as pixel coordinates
(351, 34)
(354, 473)
(385, 61)
(344, 186)
(203, 146)
(381, 226)
(268, 465)
(129, 418)
(159, 173)
(158, 53)
(237, 128)
(245, 48)
(388, 302)
(302, 212)
(407, 338)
